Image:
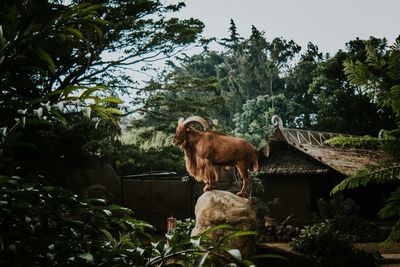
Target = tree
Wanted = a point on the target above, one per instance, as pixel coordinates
(253, 67)
(190, 88)
(378, 75)
(254, 123)
(48, 45)
(297, 84)
(53, 67)
(339, 102)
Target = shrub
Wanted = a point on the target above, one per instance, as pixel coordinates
(49, 226)
(328, 247)
(42, 225)
(345, 216)
(183, 229)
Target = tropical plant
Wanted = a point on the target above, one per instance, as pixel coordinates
(378, 75)
(328, 247)
(254, 123)
(337, 101)
(42, 225)
(345, 215)
(183, 229)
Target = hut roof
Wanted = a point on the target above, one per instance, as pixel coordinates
(320, 157)
(284, 159)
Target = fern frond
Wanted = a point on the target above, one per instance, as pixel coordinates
(395, 99)
(394, 234)
(366, 142)
(380, 173)
(356, 73)
(392, 206)
(374, 59)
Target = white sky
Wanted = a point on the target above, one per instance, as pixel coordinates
(328, 24)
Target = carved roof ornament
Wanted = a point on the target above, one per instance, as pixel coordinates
(277, 121)
(381, 134)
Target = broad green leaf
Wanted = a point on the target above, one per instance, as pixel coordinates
(96, 201)
(107, 212)
(114, 111)
(200, 261)
(215, 228)
(86, 256)
(235, 253)
(43, 55)
(237, 234)
(114, 100)
(107, 234)
(74, 32)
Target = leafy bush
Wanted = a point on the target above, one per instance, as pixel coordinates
(131, 159)
(183, 229)
(345, 216)
(329, 247)
(48, 226)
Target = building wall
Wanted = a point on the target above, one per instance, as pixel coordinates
(293, 193)
(155, 200)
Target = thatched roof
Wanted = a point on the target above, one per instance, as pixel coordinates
(284, 159)
(317, 157)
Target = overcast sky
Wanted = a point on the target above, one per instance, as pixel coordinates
(328, 24)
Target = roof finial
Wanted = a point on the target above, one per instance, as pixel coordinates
(381, 134)
(277, 121)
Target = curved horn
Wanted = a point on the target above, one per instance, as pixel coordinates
(197, 119)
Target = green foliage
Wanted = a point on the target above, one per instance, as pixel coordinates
(200, 250)
(186, 90)
(51, 45)
(252, 67)
(48, 226)
(391, 210)
(380, 173)
(378, 75)
(329, 247)
(365, 142)
(183, 229)
(338, 102)
(131, 159)
(254, 123)
(345, 217)
(297, 83)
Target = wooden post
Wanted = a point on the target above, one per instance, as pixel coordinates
(171, 224)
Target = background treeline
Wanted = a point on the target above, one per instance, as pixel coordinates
(241, 86)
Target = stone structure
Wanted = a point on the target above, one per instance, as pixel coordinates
(221, 207)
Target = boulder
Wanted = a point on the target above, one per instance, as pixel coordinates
(222, 207)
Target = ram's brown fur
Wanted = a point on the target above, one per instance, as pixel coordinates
(205, 149)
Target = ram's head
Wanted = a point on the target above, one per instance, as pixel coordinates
(184, 127)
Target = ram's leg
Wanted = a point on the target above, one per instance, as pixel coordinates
(210, 176)
(245, 176)
(207, 187)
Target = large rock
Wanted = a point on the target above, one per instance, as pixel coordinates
(222, 207)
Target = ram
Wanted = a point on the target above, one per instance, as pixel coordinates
(204, 150)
